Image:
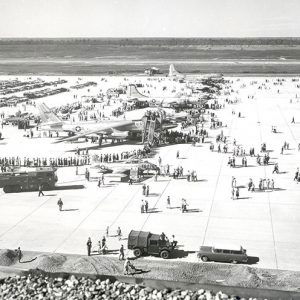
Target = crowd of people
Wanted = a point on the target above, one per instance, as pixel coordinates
(8, 163)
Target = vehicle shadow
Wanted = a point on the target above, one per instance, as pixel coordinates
(177, 253)
(252, 260)
(153, 211)
(69, 187)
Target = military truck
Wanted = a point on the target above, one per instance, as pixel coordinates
(146, 243)
(28, 179)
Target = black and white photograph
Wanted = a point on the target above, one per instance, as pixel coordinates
(150, 149)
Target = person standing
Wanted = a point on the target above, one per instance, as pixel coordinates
(89, 246)
(41, 190)
(237, 193)
(107, 231)
(142, 207)
(168, 202)
(144, 189)
(147, 191)
(121, 253)
(99, 182)
(126, 266)
(119, 233)
(60, 204)
(19, 254)
(146, 206)
(103, 242)
(232, 193)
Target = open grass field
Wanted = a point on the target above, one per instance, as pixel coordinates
(114, 56)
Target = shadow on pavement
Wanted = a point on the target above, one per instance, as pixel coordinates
(242, 198)
(193, 210)
(28, 261)
(69, 187)
(153, 211)
(177, 253)
(252, 260)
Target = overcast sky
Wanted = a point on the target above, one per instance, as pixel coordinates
(149, 18)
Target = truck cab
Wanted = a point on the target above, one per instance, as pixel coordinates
(146, 243)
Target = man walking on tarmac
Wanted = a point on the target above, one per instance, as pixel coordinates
(60, 204)
(41, 190)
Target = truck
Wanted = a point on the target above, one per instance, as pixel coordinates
(146, 243)
(28, 179)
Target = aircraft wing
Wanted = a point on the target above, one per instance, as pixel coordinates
(46, 115)
(104, 129)
(84, 134)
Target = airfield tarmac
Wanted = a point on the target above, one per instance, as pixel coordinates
(264, 223)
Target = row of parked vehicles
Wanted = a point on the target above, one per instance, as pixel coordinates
(146, 243)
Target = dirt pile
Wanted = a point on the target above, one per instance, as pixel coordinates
(49, 262)
(8, 257)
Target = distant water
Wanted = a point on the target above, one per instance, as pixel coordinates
(115, 56)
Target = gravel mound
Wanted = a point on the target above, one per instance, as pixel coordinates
(50, 262)
(41, 287)
(80, 265)
(8, 257)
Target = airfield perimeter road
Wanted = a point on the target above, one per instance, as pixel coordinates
(265, 223)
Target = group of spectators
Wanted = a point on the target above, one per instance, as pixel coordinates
(7, 163)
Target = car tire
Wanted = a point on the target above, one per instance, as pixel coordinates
(234, 262)
(165, 254)
(137, 252)
(204, 258)
(6, 189)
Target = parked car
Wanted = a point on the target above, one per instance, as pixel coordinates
(209, 253)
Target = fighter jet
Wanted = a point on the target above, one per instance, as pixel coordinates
(125, 167)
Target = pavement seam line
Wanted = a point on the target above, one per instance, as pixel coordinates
(215, 190)
(148, 215)
(268, 196)
(84, 219)
(25, 217)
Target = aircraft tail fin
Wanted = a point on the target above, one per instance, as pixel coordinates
(173, 72)
(46, 115)
(133, 92)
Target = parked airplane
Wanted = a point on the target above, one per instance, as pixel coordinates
(124, 167)
(111, 128)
